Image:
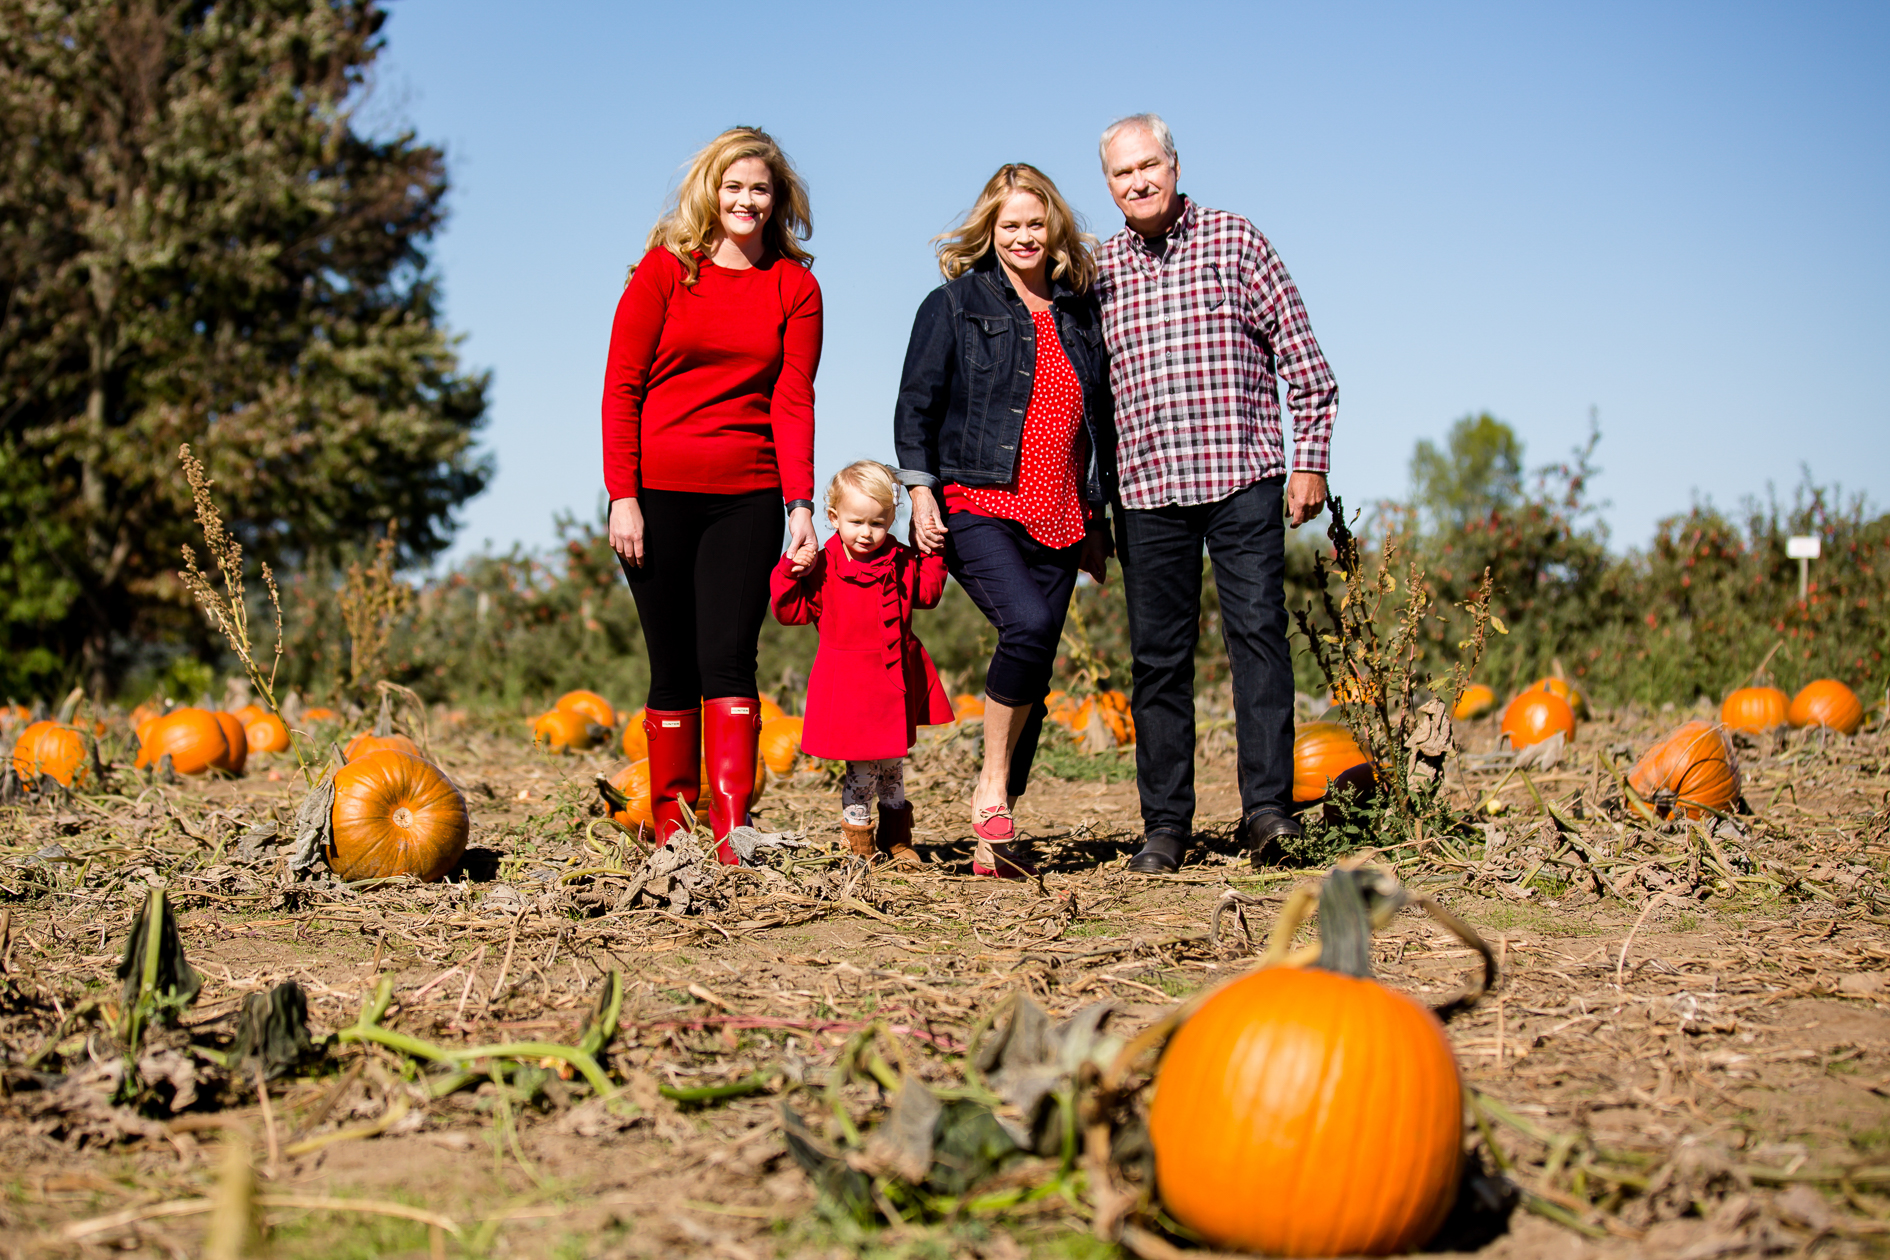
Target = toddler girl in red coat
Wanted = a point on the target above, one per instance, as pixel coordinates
(872, 685)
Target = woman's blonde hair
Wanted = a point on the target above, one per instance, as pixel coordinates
(864, 476)
(1069, 245)
(692, 220)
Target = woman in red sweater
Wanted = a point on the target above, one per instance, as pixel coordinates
(708, 431)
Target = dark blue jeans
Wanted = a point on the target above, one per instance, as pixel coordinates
(1023, 588)
(1160, 549)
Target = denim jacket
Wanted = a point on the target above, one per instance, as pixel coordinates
(967, 382)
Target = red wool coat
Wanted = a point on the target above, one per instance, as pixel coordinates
(872, 685)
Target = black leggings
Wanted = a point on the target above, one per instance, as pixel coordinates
(703, 590)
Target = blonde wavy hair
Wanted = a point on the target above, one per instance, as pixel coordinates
(691, 222)
(1069, 246)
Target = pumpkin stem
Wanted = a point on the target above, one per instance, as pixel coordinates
(384, 725)
(1345, 923)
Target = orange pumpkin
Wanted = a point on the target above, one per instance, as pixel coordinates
(145, 712)
(1288, 1076)
(396, 814)
(562, 731)
(967, 706)
(193, 739)
(368, 742)
(49, 748)
(1535, 715)
(1827, 702)
(636, 740)
(12, 715)
(249, 713)
(780, 743)
(634, 782)
(1114, 707)
(267, 734)
(144, 728)
(236, 739)
(1754, 709)
(1325, 756)
(1477, 699)
(1696, 764)
(319, 714)
(589, 705)
(770, 711)
(1059, 708)
(1571, 695)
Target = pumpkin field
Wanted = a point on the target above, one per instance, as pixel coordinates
(1660, 939)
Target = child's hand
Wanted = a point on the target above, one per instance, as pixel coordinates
(801, 561)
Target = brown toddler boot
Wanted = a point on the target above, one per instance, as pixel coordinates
(859, 839)
(895, 833)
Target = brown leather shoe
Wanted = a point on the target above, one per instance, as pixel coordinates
(895, 834)
(859, 840)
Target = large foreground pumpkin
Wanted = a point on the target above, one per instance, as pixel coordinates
(1754, 710)
(1827, 702)
(396, 814)
(1477, 699)
(1311, 1112)
(1535, 715)
(1323, 754)
(49, 748)
(1696, 764)
(193, 739)
(368, 742)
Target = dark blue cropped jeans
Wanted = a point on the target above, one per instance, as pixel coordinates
(1023, 588)
(1160, 550)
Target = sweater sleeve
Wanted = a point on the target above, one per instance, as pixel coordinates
(633, 338)
(797, 599)
(792, 409)
(931, 581)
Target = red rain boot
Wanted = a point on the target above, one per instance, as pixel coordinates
(675, 767)
(732, 728)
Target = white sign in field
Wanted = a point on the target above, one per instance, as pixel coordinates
(1803, 547)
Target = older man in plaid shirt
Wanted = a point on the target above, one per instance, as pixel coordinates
(1201, 322)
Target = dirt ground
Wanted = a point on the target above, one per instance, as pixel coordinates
(1687, 1054)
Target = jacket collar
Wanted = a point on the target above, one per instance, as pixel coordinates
(865, 572)
(987, 269)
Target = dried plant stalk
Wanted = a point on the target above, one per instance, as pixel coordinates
(228, 608)
(371, 599)
(1375, 675)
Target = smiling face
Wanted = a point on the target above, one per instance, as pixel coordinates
(861, 521)
(746, 196)
(1142, 181)
(1021, 234)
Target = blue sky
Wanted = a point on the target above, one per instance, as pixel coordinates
(1672, 213)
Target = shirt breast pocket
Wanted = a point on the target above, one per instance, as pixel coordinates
(1209, 289)
(987, 341)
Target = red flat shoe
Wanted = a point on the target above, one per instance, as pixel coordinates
(995, 828)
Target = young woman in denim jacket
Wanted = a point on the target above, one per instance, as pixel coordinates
(1003, 428)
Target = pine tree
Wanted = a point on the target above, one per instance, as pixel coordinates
(200, 242)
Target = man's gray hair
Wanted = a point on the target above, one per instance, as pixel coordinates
(1151, 123)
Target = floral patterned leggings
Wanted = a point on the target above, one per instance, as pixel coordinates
(866, 780)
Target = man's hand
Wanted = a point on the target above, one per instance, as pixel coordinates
(928, 527)
(626, 531)
(803, 547)
(1305, 497)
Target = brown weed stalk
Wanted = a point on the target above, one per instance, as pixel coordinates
(1376, 674)
(370, 601)
(228, 608)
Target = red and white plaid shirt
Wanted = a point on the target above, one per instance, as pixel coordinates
(1197, 339)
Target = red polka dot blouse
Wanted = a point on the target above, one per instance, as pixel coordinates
(1047, 498)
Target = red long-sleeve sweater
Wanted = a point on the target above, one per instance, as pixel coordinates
(710, 387)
